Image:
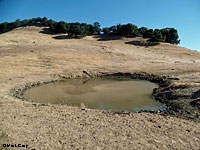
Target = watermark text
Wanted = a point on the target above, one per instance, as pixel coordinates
(15, 145)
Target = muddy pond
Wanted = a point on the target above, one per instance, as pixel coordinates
(106, 94)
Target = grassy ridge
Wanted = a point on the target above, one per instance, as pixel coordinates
(169, 35)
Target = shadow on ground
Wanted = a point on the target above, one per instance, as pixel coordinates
(143, 43)
(62, 37)
(107, 37)
(47, 31)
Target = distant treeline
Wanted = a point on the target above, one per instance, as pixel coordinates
(169, 35)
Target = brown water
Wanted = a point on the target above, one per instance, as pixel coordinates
(107, 94)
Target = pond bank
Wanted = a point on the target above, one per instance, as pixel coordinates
(166, 93)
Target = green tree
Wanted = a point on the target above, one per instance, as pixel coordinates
(170, 35)
(127, 29)
(106, 30)
(11, 26)
(135, 31)
(38, 20)
(33, 21)
(157, 36)
(142, 30)
(174, 38)
(97, 28)
(18, 23)
(75, 29)
(119, 29)
(90, 29)
(24, 22)
(51, 23)
(113, 29)
(60, 27)
(44, 21)
(148, 33)
(84, 30)
(3, 27)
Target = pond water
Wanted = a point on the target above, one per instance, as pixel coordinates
(107, 94)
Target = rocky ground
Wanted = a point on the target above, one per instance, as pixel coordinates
(31, 54)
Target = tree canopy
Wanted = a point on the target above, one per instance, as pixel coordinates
(169, 35)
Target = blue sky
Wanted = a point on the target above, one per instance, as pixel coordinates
(183, 15)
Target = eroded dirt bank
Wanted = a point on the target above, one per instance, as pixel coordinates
(28, 56)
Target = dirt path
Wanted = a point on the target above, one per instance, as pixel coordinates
(27, 56)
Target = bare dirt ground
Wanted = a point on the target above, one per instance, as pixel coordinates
(27, 56)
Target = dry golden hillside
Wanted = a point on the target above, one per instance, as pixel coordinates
(32, 54)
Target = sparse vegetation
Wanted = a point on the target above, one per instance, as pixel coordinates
(169, 35)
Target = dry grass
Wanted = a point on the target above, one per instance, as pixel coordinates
(27, 56)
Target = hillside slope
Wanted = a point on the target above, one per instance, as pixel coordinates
(32, 54)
